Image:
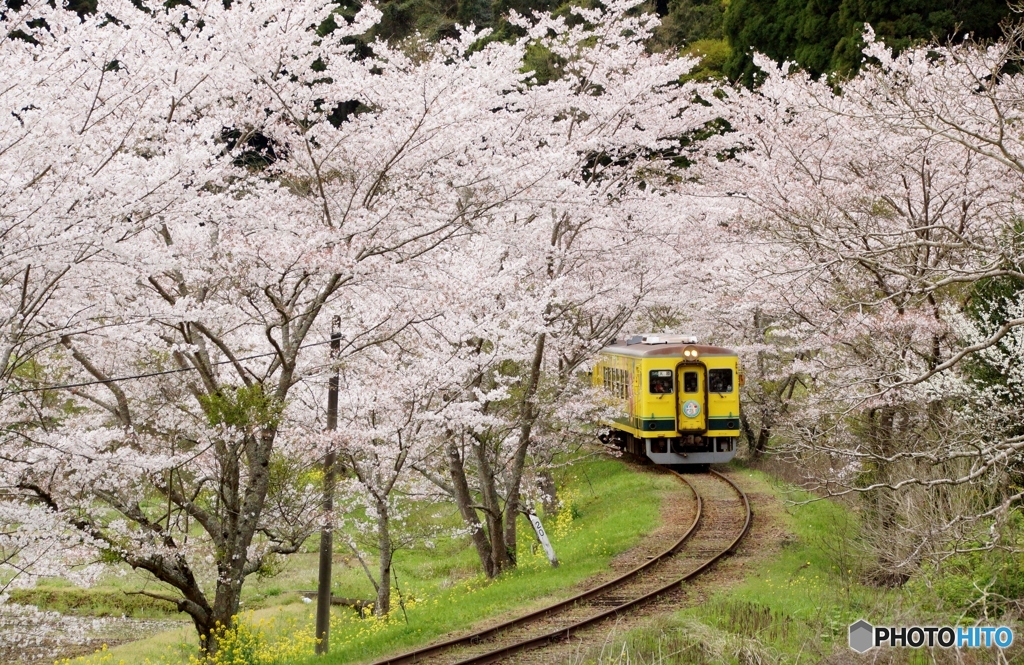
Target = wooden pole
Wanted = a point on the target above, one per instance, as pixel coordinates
(323, 591)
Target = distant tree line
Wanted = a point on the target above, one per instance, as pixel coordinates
(825, 35)
(821, 36)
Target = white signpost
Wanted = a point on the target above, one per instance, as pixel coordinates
(542, 536)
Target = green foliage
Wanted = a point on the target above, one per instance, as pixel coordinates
(474, 12)
(824, 36)
(781, 30)
(286, 473)
(713, 54)
(242, 407)
(402, 19)
(545, 65)
(30, 371)
(690, 21)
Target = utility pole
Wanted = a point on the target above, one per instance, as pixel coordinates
(323, 590)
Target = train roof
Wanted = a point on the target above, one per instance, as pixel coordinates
(647, 346)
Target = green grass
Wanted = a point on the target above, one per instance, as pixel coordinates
(608, 507)
(99, 602)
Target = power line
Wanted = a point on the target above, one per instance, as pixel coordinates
(94, 382)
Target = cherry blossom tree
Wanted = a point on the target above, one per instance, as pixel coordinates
(390, 421)
(879, 205)
(476, 234)
(561, 278)
(88, 158)
(213, 301)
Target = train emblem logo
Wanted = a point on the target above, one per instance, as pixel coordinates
(691, 409)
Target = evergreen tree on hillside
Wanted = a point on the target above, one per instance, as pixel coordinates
(688, 21)
(825, 35)
(692, 25)
(435, 19)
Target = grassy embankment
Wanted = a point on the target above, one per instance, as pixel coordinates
(799, 595)
(608, 507)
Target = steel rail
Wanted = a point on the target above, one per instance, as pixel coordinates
(430, 650)
(565, 632)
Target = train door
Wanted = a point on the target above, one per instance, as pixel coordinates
(635, 393)
(693, 403)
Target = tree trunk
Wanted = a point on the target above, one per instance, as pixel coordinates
(528, 416)
(753, 440)
(464, 500)
(383, 606)
(222, 618)
(492, 510)
(548, 492)
(761, 444)
(546, 481)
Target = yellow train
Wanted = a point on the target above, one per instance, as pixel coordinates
(678, 401)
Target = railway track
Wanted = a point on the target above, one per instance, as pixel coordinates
(722, 520)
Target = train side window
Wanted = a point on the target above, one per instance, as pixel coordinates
(689, 382)
(661, 381)
(719, 380)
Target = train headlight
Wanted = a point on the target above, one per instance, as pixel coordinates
(690, 353)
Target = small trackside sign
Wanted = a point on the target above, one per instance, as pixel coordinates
(542, 536)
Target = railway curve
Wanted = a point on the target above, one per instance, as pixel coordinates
(722, 518)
